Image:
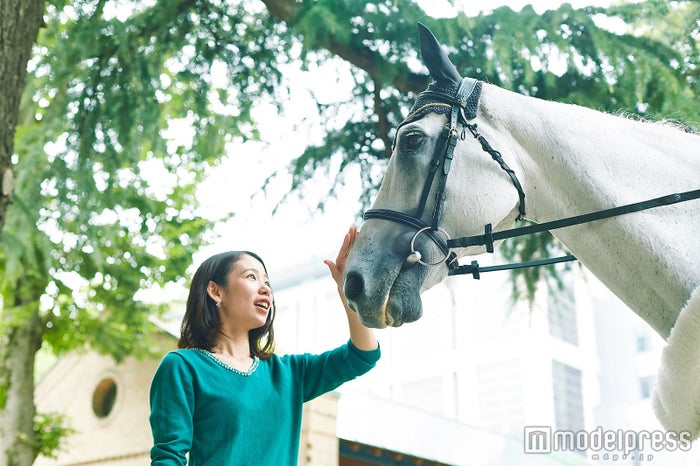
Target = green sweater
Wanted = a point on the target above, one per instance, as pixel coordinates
(223, 418)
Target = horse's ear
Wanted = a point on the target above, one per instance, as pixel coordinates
(435, 58)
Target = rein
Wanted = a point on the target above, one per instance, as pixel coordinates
(489, 237)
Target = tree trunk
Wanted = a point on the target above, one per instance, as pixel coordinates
(20, 21)
(18, 346)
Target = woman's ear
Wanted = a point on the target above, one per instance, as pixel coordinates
(214, 291)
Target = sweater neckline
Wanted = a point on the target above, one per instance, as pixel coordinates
(223, 364)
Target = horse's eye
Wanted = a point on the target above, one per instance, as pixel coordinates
(412, 140)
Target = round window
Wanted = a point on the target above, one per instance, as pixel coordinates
(104, 397)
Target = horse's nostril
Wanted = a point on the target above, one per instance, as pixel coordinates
(354, 285)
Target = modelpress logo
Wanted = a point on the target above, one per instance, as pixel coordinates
(537, 439)
(543, 440)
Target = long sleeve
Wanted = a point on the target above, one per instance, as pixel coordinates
(172, 409)
(327, 371)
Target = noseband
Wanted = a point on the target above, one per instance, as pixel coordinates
(447, 141)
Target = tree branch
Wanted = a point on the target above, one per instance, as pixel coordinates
(352, 51)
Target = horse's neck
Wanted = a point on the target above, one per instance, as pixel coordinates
(574, 160)
(611, 159)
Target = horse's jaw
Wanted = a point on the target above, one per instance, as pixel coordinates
(382, 288)
(387, 303)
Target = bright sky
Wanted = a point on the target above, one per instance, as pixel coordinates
(296, 234)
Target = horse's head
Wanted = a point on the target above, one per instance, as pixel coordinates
(402, 249)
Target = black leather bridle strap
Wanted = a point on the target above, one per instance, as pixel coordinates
(440, 194)
(475, 270)
(496, 156)
(408, 220)
(444, 152)
(434, 165)
(489, 237)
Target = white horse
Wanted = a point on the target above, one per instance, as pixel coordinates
(569, 160)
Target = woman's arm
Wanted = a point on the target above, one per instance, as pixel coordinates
(172, 411)
(362, 337)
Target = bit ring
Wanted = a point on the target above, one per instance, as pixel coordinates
(416, 256)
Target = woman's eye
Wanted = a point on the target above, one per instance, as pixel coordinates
(412, 140)
(251, 276)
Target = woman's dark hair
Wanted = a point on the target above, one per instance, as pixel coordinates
(201, 323)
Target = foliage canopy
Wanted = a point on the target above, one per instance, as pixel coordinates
(99, 152)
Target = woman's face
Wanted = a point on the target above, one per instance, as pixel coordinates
(247, 298)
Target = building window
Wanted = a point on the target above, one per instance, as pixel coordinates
(646, 386)
(643, 343)
(568, 400)
(104, 397)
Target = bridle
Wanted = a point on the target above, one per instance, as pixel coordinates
(442, 157)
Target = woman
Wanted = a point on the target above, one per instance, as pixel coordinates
(224, 397)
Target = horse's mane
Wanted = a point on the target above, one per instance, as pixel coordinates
(666, 121)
